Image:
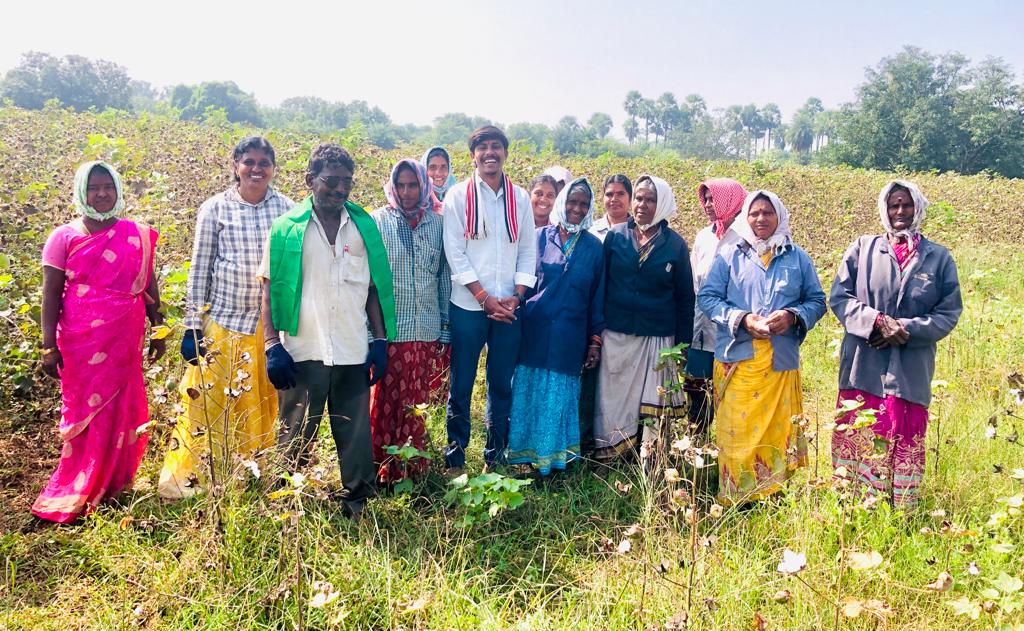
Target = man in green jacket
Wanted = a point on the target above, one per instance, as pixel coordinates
(325, 278)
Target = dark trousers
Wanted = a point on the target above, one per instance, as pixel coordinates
(345, 391)
(700, 390)
(470, 331)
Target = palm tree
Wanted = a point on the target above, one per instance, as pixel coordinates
(753, 124)
(649, 113)
(631, 130)
(772, 120)
(800, 134)
(632, 104)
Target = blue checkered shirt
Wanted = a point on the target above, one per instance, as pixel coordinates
(226, 255)
(422, 281)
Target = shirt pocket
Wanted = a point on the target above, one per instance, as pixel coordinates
(922, 290)
(355, 269)
(788, 280)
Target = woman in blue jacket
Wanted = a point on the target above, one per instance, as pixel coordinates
(648, 307)
(764, 296)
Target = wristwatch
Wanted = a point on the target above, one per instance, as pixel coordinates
(521, 296)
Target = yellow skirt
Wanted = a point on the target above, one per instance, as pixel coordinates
(759, 439)
(230, 406)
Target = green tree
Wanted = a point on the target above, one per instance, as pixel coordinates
(534, 135)
(600, 124)
(631, 130)
(772, 118)
(238, 106)
(568, 135)
(632, 104)
(75, 81)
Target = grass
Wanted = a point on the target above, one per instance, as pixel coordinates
(552, 563)
(147, 564)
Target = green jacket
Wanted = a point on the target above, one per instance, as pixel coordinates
(286, 236)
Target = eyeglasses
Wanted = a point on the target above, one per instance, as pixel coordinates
(334, 180)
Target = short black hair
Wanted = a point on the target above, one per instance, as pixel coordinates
(329, 154)
(619, 178)
(543, 178)
(487, 132)
(250, 143)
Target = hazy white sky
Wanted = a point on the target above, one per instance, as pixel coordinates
(527, 60)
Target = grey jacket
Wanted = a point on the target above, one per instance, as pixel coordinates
(926, 301)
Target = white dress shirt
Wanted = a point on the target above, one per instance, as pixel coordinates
(490, 259)
(705, 248)
(335, 283)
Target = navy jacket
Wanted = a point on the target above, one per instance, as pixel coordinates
(567, 305)
(655, 299)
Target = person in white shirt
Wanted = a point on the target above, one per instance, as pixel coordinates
(721, 200)
(618, 197)
(490, 246)
(327, 284)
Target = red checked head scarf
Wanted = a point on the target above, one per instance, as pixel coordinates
(727, 196)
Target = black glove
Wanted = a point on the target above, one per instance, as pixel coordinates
(280, 367)
(192, 346)
(377, 359)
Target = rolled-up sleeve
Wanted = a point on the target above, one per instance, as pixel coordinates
(455, 242)
(856, 317)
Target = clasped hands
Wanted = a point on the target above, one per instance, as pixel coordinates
(501, 309)
(763, 327)
(888, 332)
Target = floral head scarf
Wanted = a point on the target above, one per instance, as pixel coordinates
(82, 187)
(558, 216)
(728, 196)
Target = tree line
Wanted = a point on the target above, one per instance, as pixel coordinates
(914, 110)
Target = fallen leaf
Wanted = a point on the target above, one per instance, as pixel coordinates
(861, 561)
(622, 487)
(633, 530)
(852, 607)
(782, 596)
(415, 605)
(607, 545)
(758, 623)
(159, 332)
(711, 604)
(941, 584)
(677, 621)
(125, 522)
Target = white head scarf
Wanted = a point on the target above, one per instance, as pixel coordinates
(920, 204)
(666, 207)
(558, 217)
(82, 191)
(778, 241)
(559, 173)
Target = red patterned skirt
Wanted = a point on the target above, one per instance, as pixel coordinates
(416, 374)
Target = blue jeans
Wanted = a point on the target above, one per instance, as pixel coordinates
(470, 331)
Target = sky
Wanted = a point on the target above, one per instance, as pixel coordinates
(526, 60)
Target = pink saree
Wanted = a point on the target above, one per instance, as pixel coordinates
(892, 467)
(100, 335)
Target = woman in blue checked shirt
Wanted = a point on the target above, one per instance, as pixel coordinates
(418, 356)
(226, 392)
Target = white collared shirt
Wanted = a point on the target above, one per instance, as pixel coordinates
(706, 247)
(497, 264)
(335, 283)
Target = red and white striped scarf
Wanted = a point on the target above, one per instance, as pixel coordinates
(473, 215)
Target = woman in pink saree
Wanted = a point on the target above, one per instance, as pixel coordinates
(98, 289)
